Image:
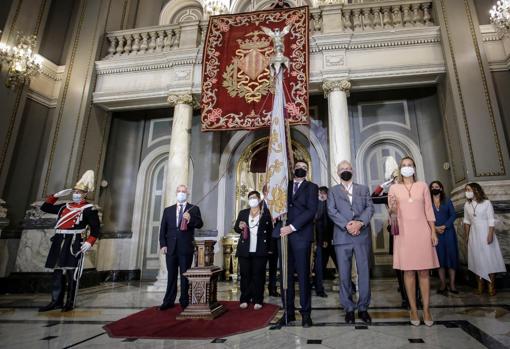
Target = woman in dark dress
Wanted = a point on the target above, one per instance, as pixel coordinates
(255, 226)
(447, 248)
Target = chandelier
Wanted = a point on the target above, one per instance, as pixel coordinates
(500, 15)
(216, 7)
(21, 61)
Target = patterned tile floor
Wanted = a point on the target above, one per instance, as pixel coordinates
(462, 321)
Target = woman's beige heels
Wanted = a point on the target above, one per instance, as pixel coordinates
(413, 322)
(428, 323)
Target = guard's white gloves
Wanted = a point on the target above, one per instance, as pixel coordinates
(62, 193)
(85, 247)
(387, 184)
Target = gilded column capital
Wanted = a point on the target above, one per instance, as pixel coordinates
(183, 98)
(329, 86)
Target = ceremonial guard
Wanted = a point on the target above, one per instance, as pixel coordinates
(70, 242)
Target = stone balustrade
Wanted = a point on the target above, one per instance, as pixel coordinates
(143, 40)
(327, 18)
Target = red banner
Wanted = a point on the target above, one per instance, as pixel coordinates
(237, 86)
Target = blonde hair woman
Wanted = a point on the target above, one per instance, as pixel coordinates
(413, 250)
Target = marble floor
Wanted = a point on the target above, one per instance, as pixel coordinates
(462, 321)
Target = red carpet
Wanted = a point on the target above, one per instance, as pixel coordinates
(153, 323)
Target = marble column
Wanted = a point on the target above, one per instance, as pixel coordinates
(338, 124)
(177, 171)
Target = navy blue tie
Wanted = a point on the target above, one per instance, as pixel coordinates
(181, 213)
(294, 190)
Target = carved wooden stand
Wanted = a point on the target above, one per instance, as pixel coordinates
(203, 285)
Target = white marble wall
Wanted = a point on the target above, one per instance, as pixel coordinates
(498, 192)
(33, 250)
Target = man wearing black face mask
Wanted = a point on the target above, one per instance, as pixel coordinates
(350, 208)
(302, 200)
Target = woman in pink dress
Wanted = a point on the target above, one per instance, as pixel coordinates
(414, 246)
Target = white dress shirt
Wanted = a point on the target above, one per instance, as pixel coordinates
(348, 188)
(177, 212)
(253, 224)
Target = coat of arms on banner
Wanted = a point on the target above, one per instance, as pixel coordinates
(237, 85)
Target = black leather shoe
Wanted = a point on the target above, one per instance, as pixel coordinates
(349, 317)
(166, 306)
(322, 294)
(67, 307)
(306, 321)
(285, 321)
(365, 317)
(273, 293)
(51, 306)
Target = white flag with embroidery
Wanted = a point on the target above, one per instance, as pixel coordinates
(277, 166)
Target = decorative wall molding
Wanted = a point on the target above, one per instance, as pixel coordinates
(45, 87)
(496, 47)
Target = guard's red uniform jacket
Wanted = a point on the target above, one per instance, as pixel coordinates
(70, 231)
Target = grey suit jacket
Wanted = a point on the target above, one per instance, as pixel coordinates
(341, 212)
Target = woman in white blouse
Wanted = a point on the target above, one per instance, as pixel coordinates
(484, 255)
(255, 226)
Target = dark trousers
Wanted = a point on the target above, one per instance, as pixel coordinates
(298, 262)
(272, 262)
(183, 262)
(253, 277)
(322, 255)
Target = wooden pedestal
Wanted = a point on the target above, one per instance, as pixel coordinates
(203, 285)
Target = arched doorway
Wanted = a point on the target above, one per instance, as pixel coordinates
(251, 169)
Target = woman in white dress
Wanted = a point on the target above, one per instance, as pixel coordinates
(484, 255)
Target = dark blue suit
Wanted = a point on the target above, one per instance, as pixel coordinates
(302, 207)
(180, 249)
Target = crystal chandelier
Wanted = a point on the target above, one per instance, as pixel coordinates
(500, 15)
(216, 7)
(22, 63)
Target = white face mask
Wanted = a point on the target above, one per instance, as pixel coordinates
(407, 171)
(76, 197)
(181, 197)
(470, 195)
(253, 202)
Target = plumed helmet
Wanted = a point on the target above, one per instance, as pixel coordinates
(86, 182)
(390, 166)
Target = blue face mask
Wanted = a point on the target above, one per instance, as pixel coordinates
(181, 197)
(77, 197)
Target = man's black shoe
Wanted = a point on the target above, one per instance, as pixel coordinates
(274, 293)
(349, 317)
(365, 317)
(51, 306)
(166, 306)
(322, 294)
(306, 321)
(285, 321)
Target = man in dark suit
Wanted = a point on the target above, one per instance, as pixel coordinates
(350, 208)
(176, 237)
(302, 206)
(323, 238)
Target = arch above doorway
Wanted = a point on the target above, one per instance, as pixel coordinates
(403, 141)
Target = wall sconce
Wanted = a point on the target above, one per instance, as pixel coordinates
(21, 61)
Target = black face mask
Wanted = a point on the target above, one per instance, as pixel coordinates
(346, 175)
(300, 172)
(436, 191)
